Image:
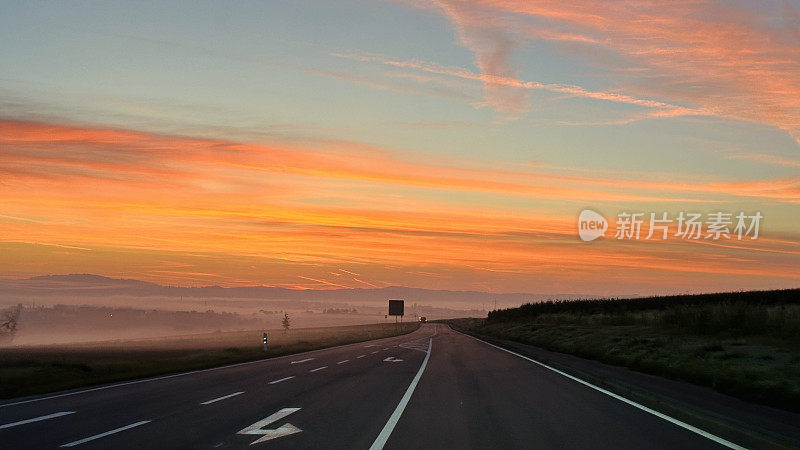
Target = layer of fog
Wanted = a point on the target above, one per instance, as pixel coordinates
(70, 319)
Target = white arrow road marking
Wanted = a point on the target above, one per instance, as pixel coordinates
(342, 362)
(107, 433)
(208, 402)
(301, 361)
(392, 359)
(281, 380)
(318, 368)
(283, 430)
(419, 345)
(36, 419)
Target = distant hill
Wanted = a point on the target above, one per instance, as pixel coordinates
(87, 278)
(96, 285)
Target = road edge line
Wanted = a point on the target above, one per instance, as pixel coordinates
(660, 415)
(383, 437)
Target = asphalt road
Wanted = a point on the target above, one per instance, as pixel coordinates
(434, 388)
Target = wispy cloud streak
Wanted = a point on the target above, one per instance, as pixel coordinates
(662, 109)
(716, 58)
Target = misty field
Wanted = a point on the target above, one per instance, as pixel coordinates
(743, 344)
(34, 370)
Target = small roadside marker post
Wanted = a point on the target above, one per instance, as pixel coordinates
(264, 342)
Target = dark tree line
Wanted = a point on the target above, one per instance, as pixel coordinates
(617, 305)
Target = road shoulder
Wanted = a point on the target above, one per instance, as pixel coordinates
(750, 424)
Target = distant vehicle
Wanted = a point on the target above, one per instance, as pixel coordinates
(423, 319)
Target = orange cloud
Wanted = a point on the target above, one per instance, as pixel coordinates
(131, 196)
(44, 152)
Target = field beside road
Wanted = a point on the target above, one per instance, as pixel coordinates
(39, 369)
(745, 344)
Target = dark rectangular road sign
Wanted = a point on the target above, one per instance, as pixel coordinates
(396, 307)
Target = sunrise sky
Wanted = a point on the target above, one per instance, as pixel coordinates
(443, 144)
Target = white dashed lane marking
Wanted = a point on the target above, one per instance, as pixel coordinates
(301, 361)
(280, 380)
(36, 419)
(107, 433)
(208, 402)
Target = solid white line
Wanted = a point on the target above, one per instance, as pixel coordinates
(174, 375)
(318, 368)
(107, 433)
(280, 380)
(342, 362)
(301, 361)
(221, 398)
(360, 356)
(37, 419)
(380, 441)
(677, 422)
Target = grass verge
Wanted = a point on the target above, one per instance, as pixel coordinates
(743, 344)
(42, 369)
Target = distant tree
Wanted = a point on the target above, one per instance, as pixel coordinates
(286, 323)
(8, 324)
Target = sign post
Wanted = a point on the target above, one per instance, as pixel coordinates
(397, 308)
(264, 342)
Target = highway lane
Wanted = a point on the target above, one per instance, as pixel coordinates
(474, 395)
(469, 395)
(340, 406)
